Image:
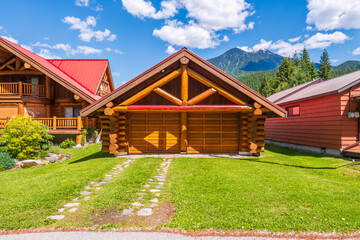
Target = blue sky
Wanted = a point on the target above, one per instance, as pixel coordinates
(136, 34)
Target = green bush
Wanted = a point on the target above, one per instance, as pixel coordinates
(54, 149)
(92, 134)
(6, 161)
(68, 144)
(22, 138)
(83, 136)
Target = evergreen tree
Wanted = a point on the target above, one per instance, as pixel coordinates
(285, 70)
(325, 68)
(307, 66)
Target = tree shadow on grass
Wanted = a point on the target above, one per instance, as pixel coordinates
(92, 156)
(298, 166)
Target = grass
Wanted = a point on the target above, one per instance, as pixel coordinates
(28, 196)
(283, 191)
(116, 195)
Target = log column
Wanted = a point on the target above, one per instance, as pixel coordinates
(121, 133)
(244, 132)
(105, 126)
(184, 98)
(113, 136)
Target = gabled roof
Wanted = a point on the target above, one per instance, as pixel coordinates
(66, 76)
(316, 88)
(173, 62)
(87, 72)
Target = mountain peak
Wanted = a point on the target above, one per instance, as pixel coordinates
(237, 61)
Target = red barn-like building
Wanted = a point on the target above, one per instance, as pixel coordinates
(322, 116)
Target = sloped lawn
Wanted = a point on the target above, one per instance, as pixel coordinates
(283, 191)
(28, 196)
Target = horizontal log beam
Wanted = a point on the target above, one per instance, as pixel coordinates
(168, 96)
(220, 90)
(149, 89)
(173, 108)
(2, 73)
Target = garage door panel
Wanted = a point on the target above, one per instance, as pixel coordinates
(213, 132)
(159, 132)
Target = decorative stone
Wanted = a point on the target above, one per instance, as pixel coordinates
(57, 217)
(154, 190)
(155, 200)
(61, 210)
(85, 193)
(73, 209)
(71, 204)
(145, 212)
(137, 204)
(127, 211)
(78, 146)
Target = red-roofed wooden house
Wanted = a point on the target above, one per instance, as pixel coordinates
(52, 91)
(323, 116)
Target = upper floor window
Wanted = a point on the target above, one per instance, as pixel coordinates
(293, 111)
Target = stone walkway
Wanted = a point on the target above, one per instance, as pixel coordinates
(89, 191)
(149, 196)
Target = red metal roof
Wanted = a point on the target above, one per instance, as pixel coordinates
(83, 85)
(87, 72)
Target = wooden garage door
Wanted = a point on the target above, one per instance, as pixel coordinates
(213, 132)
(154, 132)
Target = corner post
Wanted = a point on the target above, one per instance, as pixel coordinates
(184, 97)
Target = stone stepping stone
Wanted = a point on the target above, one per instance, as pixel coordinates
(127, 211)
(157, 194)
(57, 217)
(153, 205)
(155, 200)
(151, 180)
(161, 180)
(92, 183)
(143, 190)
(102, 183)
(154, 190)
(161, 183)
(139, 198)
(75, 199)
(145, 212)
(86, 198)
(73, 209)
(98, 188)
(71, 204)
(108, 175)
(61, 210)
(108, 178)
(147, 185)
(159, 186)
(88, 187)
(142, 193)
(137, 204)
(85, 193)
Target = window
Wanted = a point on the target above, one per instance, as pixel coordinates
(72, 112)
(293, 111)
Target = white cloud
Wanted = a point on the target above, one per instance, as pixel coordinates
(284, 48)
(69, 51)
(309, 28)
(295, 39)
(87, 33)
(356, 51)
(116, 74)
(114, 50)
(204, 19)
(321, 40)
(191, 35)
(1, 27)
(142, 8)
(11, 39)
(45, 53)
(82, 3)
(334, 60)
(334, 14)
(46, 38)
(99, 8)
(170, 50)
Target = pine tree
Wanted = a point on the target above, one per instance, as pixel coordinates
(325, 68)
(307, 66)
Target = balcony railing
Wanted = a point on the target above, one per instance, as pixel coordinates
(22, 89)
(60, 122)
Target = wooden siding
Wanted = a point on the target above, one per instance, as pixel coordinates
(319, 124)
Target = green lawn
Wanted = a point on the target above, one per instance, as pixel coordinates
(28, 196)
(283, 191)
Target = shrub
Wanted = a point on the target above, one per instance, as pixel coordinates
(83, 136)
(68, 144)
(92, 134)
(22, 138)
(6, 161)
(54, 149)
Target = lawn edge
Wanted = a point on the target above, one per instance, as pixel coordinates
(198, 233)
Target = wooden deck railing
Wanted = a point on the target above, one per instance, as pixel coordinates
(22, 89)
(60, 122)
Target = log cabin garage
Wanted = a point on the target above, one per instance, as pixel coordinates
(184, 104)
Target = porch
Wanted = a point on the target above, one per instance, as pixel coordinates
(23, 89)
(61, 125)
